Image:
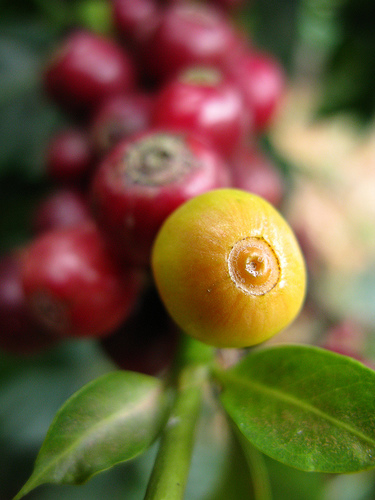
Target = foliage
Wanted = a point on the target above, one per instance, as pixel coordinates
(261, 424)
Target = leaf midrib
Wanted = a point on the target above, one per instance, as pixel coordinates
(284, 396)
(75, 444)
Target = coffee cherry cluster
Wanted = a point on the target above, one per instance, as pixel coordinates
(169, 106)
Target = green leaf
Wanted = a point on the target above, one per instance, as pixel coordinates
(306, 407)
(112, 419)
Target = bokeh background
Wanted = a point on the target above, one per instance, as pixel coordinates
(323, 142)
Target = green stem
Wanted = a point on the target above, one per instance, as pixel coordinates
(257, 467)
(171, 469)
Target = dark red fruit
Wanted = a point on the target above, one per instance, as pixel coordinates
(60, 209)
(229, 5)
(118, 118)
(85, 69)
(190, 34)
(201, 100)
(144, 179)
(19, 331)
(74, 287)
(262, 81)
(69, 156)
(253, 171)
(135, 20)
(147, 341)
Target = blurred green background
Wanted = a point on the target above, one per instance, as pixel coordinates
(328, 50)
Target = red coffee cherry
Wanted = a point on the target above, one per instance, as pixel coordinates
(147, 341)
(262, 81)
(203, 101)
(229, 5)
(85, 69)
(118, 118)
(69, 156)
(144, 179)
(190, 34)
(135, 20)
(20, 333)
(253, 171)
(62, 208)
(74, 287)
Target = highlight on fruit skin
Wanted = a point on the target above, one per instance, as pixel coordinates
(229, 268)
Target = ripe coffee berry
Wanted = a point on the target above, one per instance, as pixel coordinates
(118, 118)
(190, 34)
(253, 171)
(85, 69)
(148, 339)
(62, 208)
(204, 102)
(228, 5)
(69, 156)
(135, 20)
(73, 286)
(144, 179)
(20, 333)
(262, 81)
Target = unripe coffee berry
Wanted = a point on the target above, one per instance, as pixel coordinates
(73, 285)
(143, 180)
(229, 269)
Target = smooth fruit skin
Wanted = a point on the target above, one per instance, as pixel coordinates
(252, 170)
(147, 341)
(120, 117)
(143, 180)
(229, 269)
(262, 81)
(190, 34)
(135, 20)
(202, 101)
(69, 156)
(20, 333)
(61, 208)
(73, 285)
(85, 69)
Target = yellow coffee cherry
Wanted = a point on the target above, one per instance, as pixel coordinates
(229, 269)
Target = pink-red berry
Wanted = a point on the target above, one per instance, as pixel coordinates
(144, 179)
(262, 81)
(61, 208)
(20, 332)
(69, 156)
(253, 171)
(203, 101)
(118, 118)
(73, 285)
(190, 34)
(85, 69)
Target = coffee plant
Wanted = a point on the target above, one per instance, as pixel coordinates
(148, 267)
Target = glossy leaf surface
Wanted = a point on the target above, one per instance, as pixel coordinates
(306, 407)
(112, 419)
